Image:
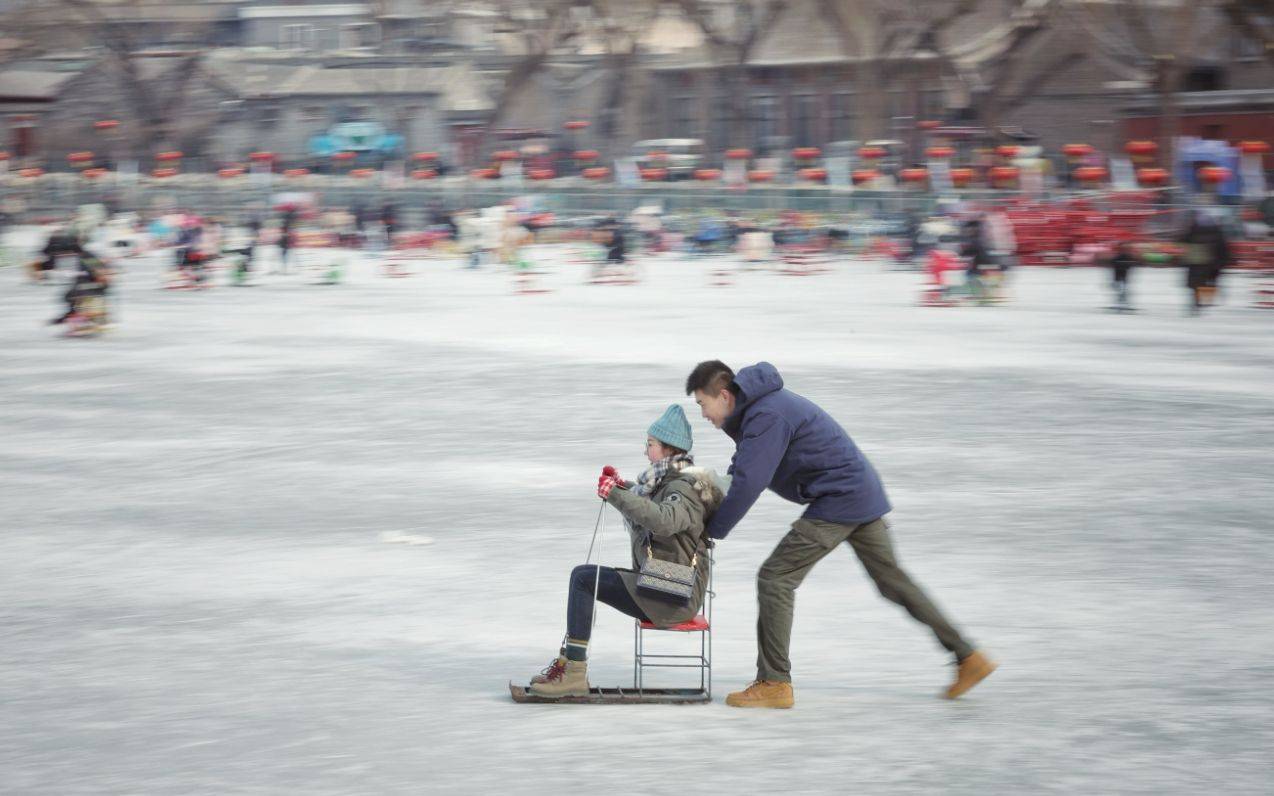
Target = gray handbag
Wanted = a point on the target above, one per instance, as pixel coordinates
(668, 579)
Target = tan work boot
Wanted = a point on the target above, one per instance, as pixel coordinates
(550, 672)
(763, 694)
(572, 681)
(972, 671)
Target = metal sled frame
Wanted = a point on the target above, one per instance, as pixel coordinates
(703, 661)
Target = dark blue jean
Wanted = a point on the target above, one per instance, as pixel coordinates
(610, 590)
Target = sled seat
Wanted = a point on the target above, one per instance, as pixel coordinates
(699, 623)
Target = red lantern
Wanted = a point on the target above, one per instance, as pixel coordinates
(806, 152)
(1090, 174)
(485, 174)
(760, 175)
(1077, 150)
(93, 174)
(871, 152)
(261, 157)
(961, 177)
(1152, 176)
(576, 124)
(586, 155)
(654, 175)
(343, 157)
(914, 175)
(865, 175)
(540, 174)
(596, 173)
(230, 171)
(425, 156)
(707, 174)
(939, 152)
(295, 172)
(164, 172)
(105, 124)
(1007, 151)
(928, 124)
(738, 154)
(34, 171)
(813, 174)
(1141, 148)
(504, 155)
(80, 158)
(361, 174)
(168, 157)
(1254, 147)
(423, 174)
(1213, 175)
(1004, 174)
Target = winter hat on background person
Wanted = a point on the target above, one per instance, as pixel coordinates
(672, 428)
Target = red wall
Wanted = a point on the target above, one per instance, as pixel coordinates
(1232, 127)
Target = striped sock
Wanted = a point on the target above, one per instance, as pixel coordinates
(576, 649)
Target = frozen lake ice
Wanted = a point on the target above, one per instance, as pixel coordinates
(297, 539)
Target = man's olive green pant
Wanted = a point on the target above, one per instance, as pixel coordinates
(803, 547)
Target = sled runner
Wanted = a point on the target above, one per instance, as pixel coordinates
(618, 696)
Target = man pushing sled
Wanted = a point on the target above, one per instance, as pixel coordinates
(786, 443)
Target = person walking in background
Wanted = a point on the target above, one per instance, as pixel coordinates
(1121, 265)
(1207, 254)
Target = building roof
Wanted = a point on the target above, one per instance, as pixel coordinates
(306, 11)
(250, 77)
(32, 86)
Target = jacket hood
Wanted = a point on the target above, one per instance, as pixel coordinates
(755, 382)
(711, 486)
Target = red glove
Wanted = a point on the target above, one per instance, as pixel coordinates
(604, 485)
(612, 472)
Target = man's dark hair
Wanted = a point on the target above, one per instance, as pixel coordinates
(711, 377)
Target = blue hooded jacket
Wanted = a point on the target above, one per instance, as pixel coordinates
(785, 442)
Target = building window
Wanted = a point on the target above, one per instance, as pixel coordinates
(722, 122)
(294, 37)
(842, 116)
(267, 116)
(1204, 78)
(932, 104)
(1246, 48)
(326, 39)
(765, 119)
(684, 119)
(359, 34)
(806, 120)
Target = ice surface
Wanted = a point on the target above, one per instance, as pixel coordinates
(197, 594)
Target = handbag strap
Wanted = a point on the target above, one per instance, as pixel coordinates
(651, 554)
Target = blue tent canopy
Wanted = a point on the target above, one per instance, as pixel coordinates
(1193, 151)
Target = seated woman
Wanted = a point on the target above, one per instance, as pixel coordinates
(665, 512)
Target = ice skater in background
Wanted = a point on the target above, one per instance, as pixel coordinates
(665, 510)
(1121, 265)
(788, 444)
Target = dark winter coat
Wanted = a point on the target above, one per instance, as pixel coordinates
(1207, 254)
(671, 521)
(787, 443)
(1120, 265)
